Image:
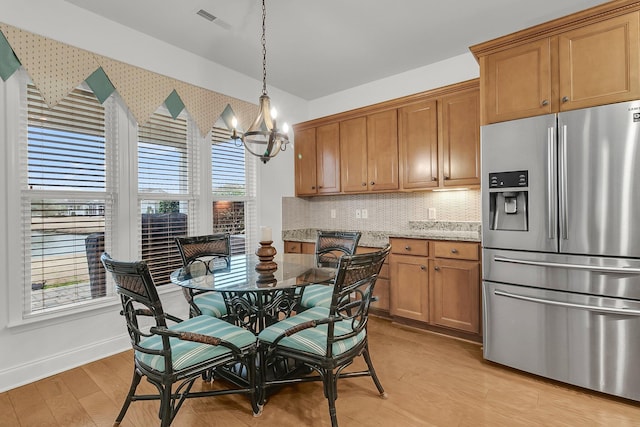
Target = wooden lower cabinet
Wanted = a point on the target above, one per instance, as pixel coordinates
(455, 294)
(438, 286)
(293, 247)
(409, 286)
(381, 289)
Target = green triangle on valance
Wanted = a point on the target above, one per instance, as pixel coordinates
(174, 104)
(100, 85)
(227, 117)
(9, 63)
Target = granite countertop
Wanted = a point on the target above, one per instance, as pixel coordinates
(435, 230)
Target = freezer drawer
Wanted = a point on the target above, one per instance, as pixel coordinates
(588, 341)
(611, 277)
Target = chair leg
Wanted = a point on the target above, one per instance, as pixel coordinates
(125, 406)
(166, 413)
(256, 393)
(331, 390)
(372, 372)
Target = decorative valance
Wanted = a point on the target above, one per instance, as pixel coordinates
(57, 68)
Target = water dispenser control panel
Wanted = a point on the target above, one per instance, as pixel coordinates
(509, 179)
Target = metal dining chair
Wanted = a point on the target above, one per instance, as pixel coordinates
(209, 252)
(173, 357)
(330, 246)
(327, 340)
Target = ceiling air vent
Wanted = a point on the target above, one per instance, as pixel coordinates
(206, 15)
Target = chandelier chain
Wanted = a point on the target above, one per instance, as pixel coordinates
(264, 49)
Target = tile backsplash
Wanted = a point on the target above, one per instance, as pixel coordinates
(384, 211)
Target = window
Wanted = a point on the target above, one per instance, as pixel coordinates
(233, 187)
(163, 186)
(65, 200)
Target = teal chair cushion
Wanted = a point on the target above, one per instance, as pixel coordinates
(188, 353)
(211, 304)
(316, 296)
(312, 340)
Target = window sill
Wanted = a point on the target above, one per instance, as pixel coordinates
(77, 311)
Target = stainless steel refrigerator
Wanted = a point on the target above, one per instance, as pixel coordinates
(561, 246)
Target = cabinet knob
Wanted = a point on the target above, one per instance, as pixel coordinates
(565, 98)
(364, 184)
(422, 267)
(433, 178)
(447, 177)
(436, 268)
(373, 183)
(313, 187)
(319, 186)
(545, 102)
(407, 248)
(454, 251)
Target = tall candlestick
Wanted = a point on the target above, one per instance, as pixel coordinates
(265, 234)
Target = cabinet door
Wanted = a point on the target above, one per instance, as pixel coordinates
(516, 82)
(308, 248)
(305, 165)
(599, 63)
(455, 294)
(328, 158)
(382, 151)
(353, 155)
(418, 145)
(292, 247)
(460, 127)
(409, 287)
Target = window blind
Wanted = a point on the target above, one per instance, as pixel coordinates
(163, 185)
(64, 200)
(233, 187)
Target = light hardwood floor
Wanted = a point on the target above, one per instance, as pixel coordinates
(431, 380)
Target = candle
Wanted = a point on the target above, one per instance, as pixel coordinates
(265, 234)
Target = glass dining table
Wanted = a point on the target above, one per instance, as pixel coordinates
(255, 298)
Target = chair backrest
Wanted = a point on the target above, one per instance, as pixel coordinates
(356, 277)
(139, 298)
(331, 245)
(206, 249)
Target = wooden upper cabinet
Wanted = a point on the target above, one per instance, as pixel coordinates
(382, 151)
(317, 160)
(328, 158)
(405, 144)
(305, 162)
(582, 60)
(418, 145)
(460, 127)
(517, 82)
(598, 64)
(353, 155)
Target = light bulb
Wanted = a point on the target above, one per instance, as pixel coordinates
(274, 113)
(234, 122)
(285, 128)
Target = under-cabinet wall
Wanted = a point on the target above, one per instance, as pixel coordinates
(385, 211)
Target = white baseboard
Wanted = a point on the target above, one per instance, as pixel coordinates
(51, 364)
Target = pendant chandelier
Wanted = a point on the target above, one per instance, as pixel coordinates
(263, 138)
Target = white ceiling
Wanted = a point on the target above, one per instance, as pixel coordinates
(316, 48)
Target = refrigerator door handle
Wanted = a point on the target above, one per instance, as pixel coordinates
(601, 309)
(551, 215)
(562, 166)
(596, 268)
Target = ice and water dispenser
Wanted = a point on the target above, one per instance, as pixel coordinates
(508, 199)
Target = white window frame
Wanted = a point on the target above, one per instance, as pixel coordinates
(124, 241)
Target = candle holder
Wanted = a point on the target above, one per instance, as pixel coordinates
(265, 253)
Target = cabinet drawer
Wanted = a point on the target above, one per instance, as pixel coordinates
(456, 250)
(292, 247)
(409, 246)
